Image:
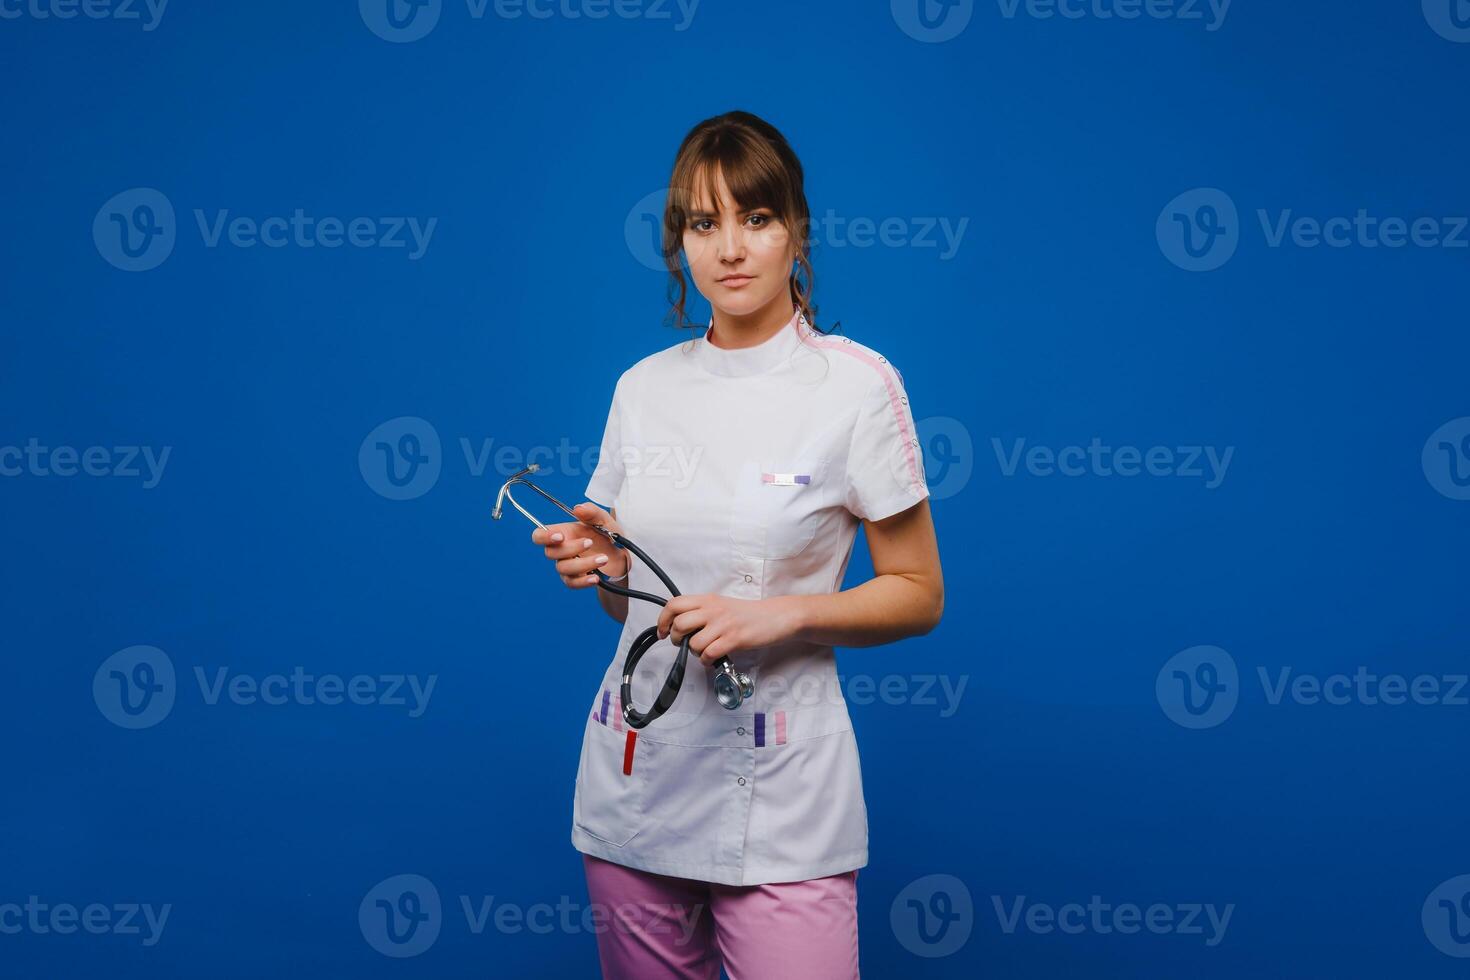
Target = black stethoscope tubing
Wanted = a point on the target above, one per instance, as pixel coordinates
(732, 687)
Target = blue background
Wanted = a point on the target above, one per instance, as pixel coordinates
(1061, 317)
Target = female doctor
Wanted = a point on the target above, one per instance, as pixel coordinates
(743, 462)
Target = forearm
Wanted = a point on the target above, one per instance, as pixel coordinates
(883, 609)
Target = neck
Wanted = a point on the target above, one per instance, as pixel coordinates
(733, 331)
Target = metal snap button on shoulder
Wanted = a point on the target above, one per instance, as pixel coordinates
(749, 578)
(740, 731)
(741, 780)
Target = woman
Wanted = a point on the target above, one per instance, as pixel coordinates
(743, 463)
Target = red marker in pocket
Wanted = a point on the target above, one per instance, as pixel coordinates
(628, 753)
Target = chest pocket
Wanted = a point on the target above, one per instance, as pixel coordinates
(775, 505)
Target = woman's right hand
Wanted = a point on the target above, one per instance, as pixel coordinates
(579, 551)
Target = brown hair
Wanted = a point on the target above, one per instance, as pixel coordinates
(761, 170)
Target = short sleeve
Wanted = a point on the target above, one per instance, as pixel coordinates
(885, 461)
(607, 478)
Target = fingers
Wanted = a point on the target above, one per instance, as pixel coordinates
(580, 581)
(672, 608)
(581, 566)
(564, 540)
(591, 513)
(686, 623)
(712, 652)
(551, 534)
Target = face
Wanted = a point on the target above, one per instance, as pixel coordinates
(740, 259)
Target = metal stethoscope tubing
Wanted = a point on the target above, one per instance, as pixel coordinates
(732, 686)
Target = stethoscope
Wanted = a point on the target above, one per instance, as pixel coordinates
(732, 686)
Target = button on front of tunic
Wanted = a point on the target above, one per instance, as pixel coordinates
(743, 473)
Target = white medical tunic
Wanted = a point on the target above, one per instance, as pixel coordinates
(742, 473)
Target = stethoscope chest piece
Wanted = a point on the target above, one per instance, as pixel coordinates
(732, 686)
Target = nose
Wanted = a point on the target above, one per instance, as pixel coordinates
(731, 242)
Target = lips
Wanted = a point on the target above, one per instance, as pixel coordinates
(735, 282)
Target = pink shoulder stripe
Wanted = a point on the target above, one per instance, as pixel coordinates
(833, 344)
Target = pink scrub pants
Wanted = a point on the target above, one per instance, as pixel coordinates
(656, 927)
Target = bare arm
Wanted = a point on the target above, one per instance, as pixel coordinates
(905, 596)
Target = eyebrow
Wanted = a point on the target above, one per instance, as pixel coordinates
(712, 214)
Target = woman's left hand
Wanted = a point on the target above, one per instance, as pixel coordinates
(725, 624)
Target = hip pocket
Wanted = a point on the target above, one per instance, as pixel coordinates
(776, 504)
(608, 805)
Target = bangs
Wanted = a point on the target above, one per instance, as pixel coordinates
(754, 178)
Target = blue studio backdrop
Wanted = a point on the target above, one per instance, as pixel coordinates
(1177, 289)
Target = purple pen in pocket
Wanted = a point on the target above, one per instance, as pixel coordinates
(786, 479)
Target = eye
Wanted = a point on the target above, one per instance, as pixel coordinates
(696, 225)
(764, 219)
